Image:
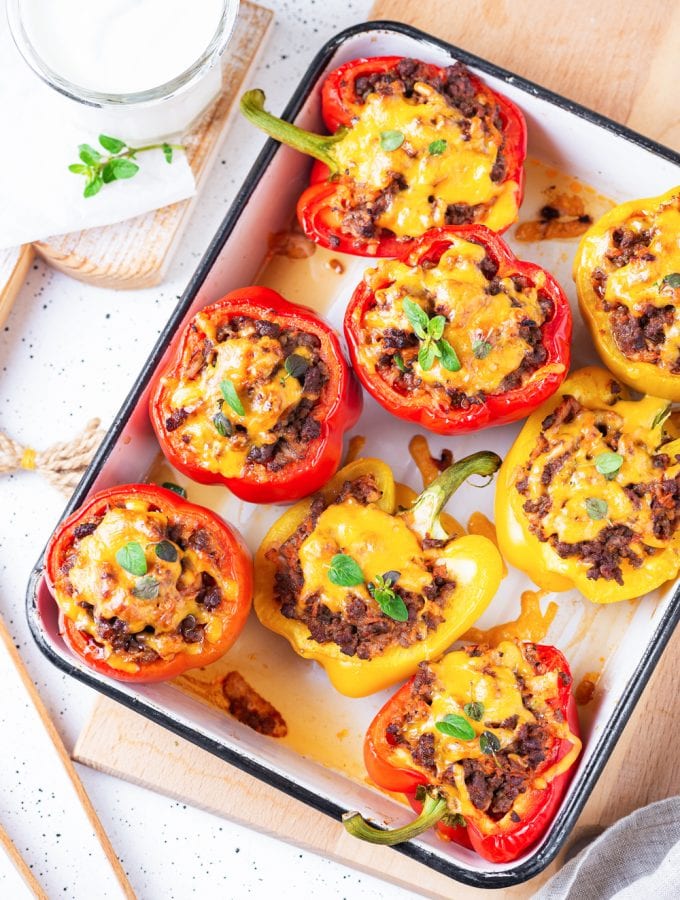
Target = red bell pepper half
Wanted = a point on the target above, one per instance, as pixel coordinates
(147, 583)
(469, 391)
(327, 210)
(267, 398)
(506, 834)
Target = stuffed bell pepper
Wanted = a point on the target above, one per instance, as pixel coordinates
(483, 743)
(459, 334)
(413, 146)
(148, 585)
(258, 398)
(627, 273)
(589, 494)
(369, 591)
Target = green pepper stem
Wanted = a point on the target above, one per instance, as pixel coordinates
(317, 145)
(423, 516)
(434, 808)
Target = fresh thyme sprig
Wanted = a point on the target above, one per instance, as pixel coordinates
(100, 169)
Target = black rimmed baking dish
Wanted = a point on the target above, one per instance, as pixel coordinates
(563, 137)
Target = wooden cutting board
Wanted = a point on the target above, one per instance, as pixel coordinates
(136, 253)
(622, 63)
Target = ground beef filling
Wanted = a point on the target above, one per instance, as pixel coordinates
(115, 631)
(293, 432)
(615, 542)
(458, 89)
(400, 347)
(361, 629)
(638, 336)
(493, 782)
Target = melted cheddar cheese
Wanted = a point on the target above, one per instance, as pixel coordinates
(457, 289)
(571, 455)
(461, 173)
(255, 365)
(376, 540)
(490, 679)
(639, 284)
(97, 589)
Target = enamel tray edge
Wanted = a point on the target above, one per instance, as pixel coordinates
(571, 810)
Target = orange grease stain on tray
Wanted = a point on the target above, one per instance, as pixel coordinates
(232, 694)
(568, 207)
(530, 625)
(585, 690)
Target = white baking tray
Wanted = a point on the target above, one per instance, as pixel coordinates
(320, 760)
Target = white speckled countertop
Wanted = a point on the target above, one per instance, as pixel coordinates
(68, 353)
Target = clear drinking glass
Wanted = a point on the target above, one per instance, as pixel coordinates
(158, 112)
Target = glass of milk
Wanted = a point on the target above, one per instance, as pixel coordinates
(135, 69)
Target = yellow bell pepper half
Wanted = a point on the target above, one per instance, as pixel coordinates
(588, 494)
(396, 551)
(627, 274)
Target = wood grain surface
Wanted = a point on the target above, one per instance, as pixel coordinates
(14, 263)
(136, 253)
(34, 716)
(619, 58)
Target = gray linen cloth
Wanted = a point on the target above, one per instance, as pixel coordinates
(637, 857)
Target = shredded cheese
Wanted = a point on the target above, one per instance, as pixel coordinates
(492, 680)
(97, 579)
(256, 369)
(639, 284)
(457, 289)
(577, 478)
(461, 173)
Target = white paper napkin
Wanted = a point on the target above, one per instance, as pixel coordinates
(39, 197)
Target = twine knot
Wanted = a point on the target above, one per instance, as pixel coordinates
(61, 464)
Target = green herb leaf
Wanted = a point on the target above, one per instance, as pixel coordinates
(672, 280)
(474, 711)
(596, 508)
(223, 425)
(231, 396)
(175, 488)
(93, 186)
(166, 551)
(457, 727)
(89, 155)
(391, 604)
(146, 588)
(131, 557)
(426, 356)
(123, 168)
(391, 140)
(417, 317)
(481, 349)
(79, 169)
(661, 416)
(489, 743)
(435, 327)
(437, 147)
(112, 144)
(296, 365)
(608, 464)
(345, 571)
(399, 362)
(167, 152)
(108, 174)
(449, 357)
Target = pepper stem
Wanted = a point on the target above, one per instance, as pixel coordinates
(423, 516)
(317, 145)
(434, 808)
